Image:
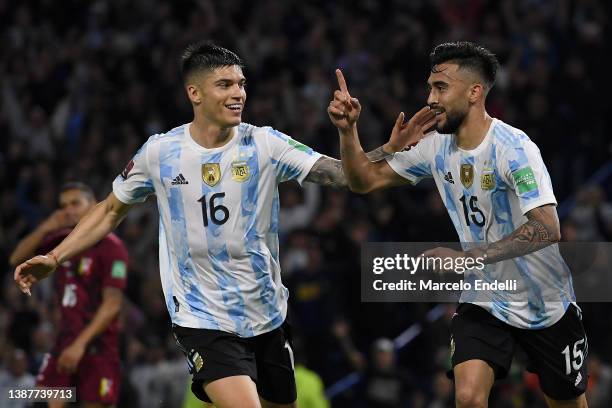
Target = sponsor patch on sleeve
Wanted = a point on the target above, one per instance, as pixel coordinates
(119, 270)
(525, 180)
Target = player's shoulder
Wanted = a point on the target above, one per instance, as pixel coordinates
(505, 136)
(174, 134)
(264, 132)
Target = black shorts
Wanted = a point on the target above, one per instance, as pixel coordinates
(267, 359)
(557, 354)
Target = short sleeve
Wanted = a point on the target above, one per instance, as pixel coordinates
(113, 262)
(523, 170)
(412, 164)
(134, 184)
(291, 159)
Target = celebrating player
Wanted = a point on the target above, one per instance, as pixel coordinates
(498, 193)
(90, 290)
(216, 181)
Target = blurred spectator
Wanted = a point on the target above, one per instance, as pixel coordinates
(385, 384)
(592, 215)
(16, 376)
(82, 86)
(599, 393)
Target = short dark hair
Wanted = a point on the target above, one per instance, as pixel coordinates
(77, 185)
(467, 55)
(206, 56)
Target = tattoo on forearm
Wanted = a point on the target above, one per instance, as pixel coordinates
(328, 171)
(377, 154)
(541, 230)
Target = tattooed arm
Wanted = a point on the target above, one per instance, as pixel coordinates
(541, 230)
(327, 171)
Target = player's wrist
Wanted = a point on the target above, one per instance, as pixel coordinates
(348, 130)
(390, 149)
(478, 253)
(55, 258)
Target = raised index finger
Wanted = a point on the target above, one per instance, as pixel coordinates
(341, 82)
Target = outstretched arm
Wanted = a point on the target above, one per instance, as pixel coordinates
(541, 230)
(327, 171)
(94, 226)
(28, 246)
(362, 174)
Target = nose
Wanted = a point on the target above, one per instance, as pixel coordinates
(238, 92)
(432, 98)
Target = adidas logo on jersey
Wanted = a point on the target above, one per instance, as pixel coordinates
(578, 379)
(449, 177)
(179, 180)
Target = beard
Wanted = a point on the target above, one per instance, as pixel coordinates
(453, 121)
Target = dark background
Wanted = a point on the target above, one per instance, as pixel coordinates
(83, 84)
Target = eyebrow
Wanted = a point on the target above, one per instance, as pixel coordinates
(226, 80)
(438, 83)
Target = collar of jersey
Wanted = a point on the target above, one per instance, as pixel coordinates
(482, 144)
(192, 143)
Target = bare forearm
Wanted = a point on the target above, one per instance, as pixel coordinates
(328, 171)
(94, 226)
(356, 164)
(106, 313)
(27, 247)
(540, 231)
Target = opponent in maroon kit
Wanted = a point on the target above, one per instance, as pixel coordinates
(89, 291)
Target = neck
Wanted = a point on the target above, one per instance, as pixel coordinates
(473, 129)
(208, 134)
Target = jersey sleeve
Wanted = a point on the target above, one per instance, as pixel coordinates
(291, 159)
(134, 184)
(524, 171)
(413, 164)
(113, 262)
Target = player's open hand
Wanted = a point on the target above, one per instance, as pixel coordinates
(343, 110)
(408, 134)
(33, 270)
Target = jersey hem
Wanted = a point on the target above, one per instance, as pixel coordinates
(551, 321)
(542, 201)
(308, 166)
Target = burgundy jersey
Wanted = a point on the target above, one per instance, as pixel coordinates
(79, 283)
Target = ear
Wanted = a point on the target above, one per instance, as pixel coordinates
(194, 94)
(475, 92)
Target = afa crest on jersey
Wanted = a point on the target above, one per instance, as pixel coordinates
(467, 175)
(487, 180)
(240, 171)
(211, 174)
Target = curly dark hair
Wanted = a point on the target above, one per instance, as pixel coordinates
(467, 55)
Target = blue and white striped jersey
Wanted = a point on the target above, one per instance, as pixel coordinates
(487, 192)
(218, 230)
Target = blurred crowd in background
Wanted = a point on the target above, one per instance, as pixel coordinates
(83, 84)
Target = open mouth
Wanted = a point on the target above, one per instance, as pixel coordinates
(235, 107)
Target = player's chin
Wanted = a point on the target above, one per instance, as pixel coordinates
(233, 119)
